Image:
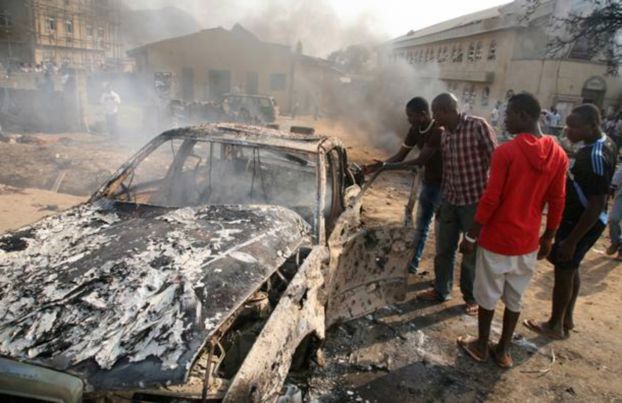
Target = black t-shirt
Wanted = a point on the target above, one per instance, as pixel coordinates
(589, 175)
(434, 167)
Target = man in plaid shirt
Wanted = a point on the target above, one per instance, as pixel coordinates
(467, 144)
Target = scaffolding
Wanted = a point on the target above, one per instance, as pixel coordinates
(81, 33)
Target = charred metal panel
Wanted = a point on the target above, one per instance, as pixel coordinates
(370, 271)
(299, 313)
(126, 295)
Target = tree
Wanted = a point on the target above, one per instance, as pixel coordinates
(352, 59)
(596, 32)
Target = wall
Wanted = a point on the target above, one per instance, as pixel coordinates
(217, 49)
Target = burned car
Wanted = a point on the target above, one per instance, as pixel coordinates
(197, 272)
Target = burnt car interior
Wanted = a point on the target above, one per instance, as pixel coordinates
(187, 173)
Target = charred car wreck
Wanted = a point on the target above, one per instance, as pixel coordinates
(197, 272)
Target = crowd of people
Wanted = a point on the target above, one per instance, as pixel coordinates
(489, 201)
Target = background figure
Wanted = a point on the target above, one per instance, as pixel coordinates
(110, 100)
(615, 216)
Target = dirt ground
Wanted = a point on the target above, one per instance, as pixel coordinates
(403, 353)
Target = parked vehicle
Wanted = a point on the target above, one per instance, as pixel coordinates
(251, 109)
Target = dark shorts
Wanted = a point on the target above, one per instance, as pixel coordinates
(584, 245)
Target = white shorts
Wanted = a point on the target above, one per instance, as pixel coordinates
(502, 277)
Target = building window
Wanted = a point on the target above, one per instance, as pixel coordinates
(439, 52)
(100, 32)
(51, 24)
(478, 51)
(471, 54)
(5, 19)
(459, 55)
(581, 50)
(485, 96)
(89, 31)
(69, 26)
(277, 82)
(492, 51)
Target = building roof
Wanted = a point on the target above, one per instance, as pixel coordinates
(237, 31)
(468, 19)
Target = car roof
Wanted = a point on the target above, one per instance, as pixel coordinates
(235, 133)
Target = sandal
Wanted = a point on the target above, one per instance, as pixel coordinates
(504, 362)
(466, 344)
(471, 309)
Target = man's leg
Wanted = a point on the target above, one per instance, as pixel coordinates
(429, 201)
(446, 246)
(569, 315)
(562, 296)
(488, 288)
(516, 282)
(467, 267)
(615, 234)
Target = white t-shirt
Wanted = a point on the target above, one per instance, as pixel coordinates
(110, 101)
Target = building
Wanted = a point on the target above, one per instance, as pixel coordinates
(77, 33)
(485, 56)
(210, 63)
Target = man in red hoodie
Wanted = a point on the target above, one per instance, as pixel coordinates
(525, 175)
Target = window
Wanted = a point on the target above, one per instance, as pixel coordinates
(69, 26)
(471, 54)
(478, 51)
(89, 31)
(5, 20)
(459, 55)
(485, 96)
(439, 51)
(581, 50)
(492, 51)
(51, 24)
(100, 32)
(277, 82)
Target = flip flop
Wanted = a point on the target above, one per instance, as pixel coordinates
(430, 295)
(536, 327)
(504, 362)
(463, 343)
(471, 309)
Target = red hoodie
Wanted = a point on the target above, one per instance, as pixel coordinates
(525, 174)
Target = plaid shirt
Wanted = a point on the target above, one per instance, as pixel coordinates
(467, 152)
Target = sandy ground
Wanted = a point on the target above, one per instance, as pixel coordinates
(403, 353)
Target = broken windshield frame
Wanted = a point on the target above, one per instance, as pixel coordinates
(190, 172)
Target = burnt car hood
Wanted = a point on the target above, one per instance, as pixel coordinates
(125, 296)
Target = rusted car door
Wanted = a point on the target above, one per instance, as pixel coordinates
(368, 266)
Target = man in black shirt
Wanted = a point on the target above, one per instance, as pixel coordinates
(584, 220)
(424, 134)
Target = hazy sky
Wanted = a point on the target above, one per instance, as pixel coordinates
(386, 17)
(322, 26)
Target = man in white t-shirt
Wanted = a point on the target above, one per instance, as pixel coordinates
(110, 100)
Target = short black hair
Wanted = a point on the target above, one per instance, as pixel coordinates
(588, 113)
(527, 103)
(418, 104)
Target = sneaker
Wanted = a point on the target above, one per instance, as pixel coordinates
(412, 269)
(612, 249)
